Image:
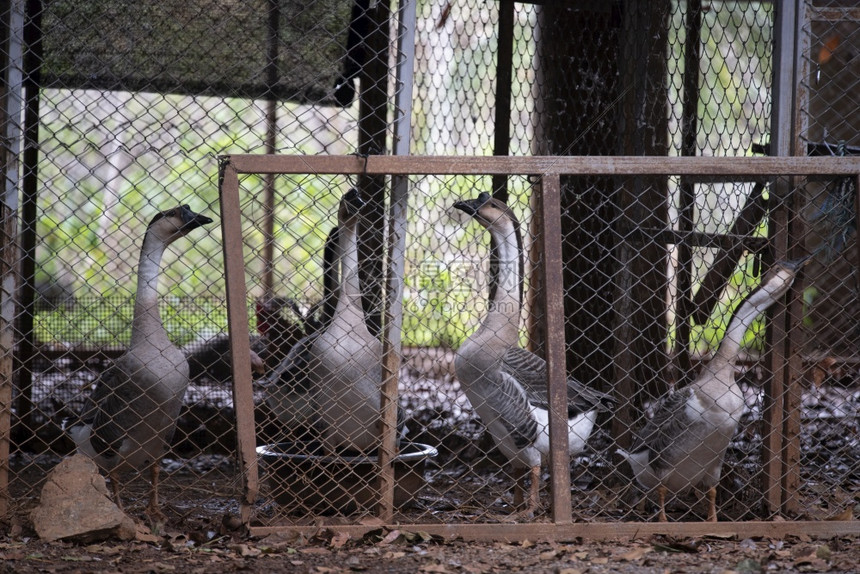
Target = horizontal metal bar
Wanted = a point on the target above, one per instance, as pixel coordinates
(692, 238)
(544, 531)
(834, 14)
(539, 165)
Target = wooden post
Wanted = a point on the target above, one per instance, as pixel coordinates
(240, 342)
(553, 296)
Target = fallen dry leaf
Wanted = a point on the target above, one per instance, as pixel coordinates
(390, 537)
(847, 514)
(570, 571)
(315, 550)
(433, 568)
(636, 554)
(245, 550)
(672, 544)
(340, 539)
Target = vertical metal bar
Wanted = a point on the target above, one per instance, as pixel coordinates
(793, 316)
(504, 78)
(271, 135)
(559, 459)
(393, 309)
(12, 135)
(774, 397)
(778, 401)
(782, 115)
(29, 214)
(13, 102)
(687, 200)
(373, 130)
(8, 261)
(237, 321)
(857, 240)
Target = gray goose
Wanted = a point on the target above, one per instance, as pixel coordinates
(346, 360)
(505, 383)
(131, 415)
(683, 445)
(288, 386)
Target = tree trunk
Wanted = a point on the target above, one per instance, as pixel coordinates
(604, 93)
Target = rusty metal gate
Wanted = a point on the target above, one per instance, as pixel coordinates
(463, 484)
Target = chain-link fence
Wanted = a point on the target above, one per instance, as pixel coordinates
(121, 111)
(445, 404)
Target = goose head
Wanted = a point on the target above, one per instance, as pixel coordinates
(504, 228)
(780, 277)
(350, 205)
(170, 225)
(489, 212)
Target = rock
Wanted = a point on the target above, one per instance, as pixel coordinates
(75, 506)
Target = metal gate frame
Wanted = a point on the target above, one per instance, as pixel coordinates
(779, 449)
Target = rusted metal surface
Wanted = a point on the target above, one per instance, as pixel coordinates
(391, 343)
(833, 13)
(536, 165)
(559, 460)
(240, 347)
(778, 452)
(604, 530)
(774, 399)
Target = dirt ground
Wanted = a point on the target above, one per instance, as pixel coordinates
(197, 541)
(215, 548)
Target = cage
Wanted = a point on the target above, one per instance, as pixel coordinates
(659, 165)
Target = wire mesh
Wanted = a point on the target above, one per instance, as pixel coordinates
(471, 478)
(116, 130)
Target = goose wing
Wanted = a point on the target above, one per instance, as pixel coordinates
(530, 370)
(108, 408)
(663, 430)
(512, 406)
(292, 373)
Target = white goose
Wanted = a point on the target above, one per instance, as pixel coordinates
(346, 360)
(684, 443)
(505, 383)
(130, 417)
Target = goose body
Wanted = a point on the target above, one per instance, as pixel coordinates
(131, 415)
(288, 386)
(684, 444)
(506, 384)
(346, 360)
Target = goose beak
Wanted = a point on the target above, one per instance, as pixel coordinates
(797, 264)
(353, 200)
(473, 205)
(191, 220)
(467, 207)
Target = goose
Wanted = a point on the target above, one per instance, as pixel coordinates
(505, 383)
(287, 386)
(345, 359)
(683, 445)
(130, 417)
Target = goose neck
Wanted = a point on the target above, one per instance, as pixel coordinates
(146, 324)
(348, 248)
(506, 298)
(752, 307)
